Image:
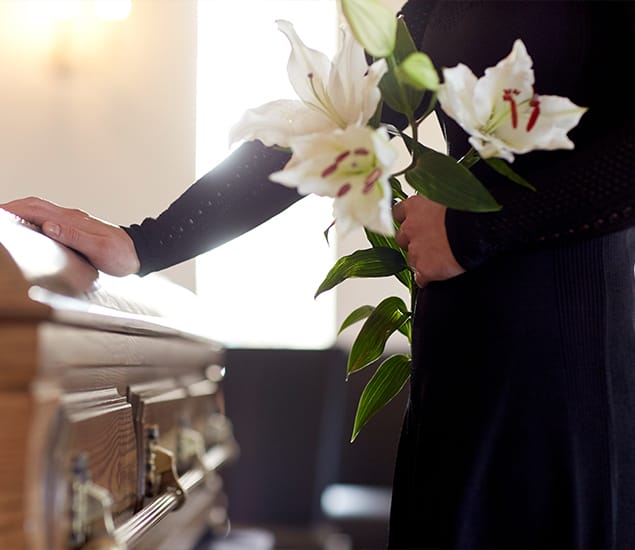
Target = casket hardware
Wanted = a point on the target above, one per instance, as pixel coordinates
(161, 475)
(190, 449)
(91, 509)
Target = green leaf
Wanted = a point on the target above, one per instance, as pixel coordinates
(372, 262)
(506, 170)
(406, 330)
(389, 379)
(326, 231)
(358, 314)
(373, 24)
(418, 71)
(440, 178)
(385, 319)
(405, 275)
(375, 120)
(403, 99)
(397, 190)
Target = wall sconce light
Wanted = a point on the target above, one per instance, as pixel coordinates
(74, 27)
(64, 10)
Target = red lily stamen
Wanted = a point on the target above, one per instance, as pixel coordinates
(338, 159)
(507, 96)
(361, 152)
(371, 179)
(535, 103)
(343, 190)
(329, 170)
(341, 156)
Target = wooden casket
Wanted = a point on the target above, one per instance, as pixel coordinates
(112, 421)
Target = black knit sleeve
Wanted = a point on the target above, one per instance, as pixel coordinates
(580, 194)
(231, 199)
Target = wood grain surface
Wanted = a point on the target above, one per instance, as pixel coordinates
(87, 364)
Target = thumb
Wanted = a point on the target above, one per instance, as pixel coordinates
(65, 234)
(52, 230)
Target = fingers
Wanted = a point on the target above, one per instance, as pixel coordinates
(399, 215)
(418, 271)
(105, 245)
(399, 212)
(31, 209)
(423, 235)
(419, 280)
(62, 224)
(68, 234)
(402, 239)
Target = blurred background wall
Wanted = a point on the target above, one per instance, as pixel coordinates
(98, 114)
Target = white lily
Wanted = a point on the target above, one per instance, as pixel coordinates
(331, 94)
(353, 166)
(502, 113)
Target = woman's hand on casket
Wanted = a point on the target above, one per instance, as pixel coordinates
(108, 247)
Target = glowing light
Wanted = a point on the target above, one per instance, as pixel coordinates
(54, 10)
(62, 10)
(286, 315)
(112, 10)
(67, 10)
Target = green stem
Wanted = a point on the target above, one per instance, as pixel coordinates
(470, 158)
(431, 105)
(413, 159)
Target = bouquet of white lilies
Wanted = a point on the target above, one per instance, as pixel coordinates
(340, 149)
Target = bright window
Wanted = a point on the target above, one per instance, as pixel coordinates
(261, 285)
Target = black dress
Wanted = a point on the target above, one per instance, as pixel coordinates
(520, 427)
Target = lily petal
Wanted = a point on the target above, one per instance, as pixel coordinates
(501, 112)
(352, 80)
(308, 69)
(352, 166)
(331, 95)
(456, 96)
(276, 122)
(558, 115)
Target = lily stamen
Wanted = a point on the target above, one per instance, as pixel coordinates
(329, 170)
(507, 96)
(535, 103)
(325, 104)
(372, 179)
(343, 190)
(333, 167)
(341, 156)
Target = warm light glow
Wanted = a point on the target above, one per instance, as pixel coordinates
(70, 33)
(38, 12)
(112, 10)
(260, 286)
(66, 10)
(60, 9)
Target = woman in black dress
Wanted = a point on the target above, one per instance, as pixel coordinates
(520, 427)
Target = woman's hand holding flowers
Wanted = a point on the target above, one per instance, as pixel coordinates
(422, 234)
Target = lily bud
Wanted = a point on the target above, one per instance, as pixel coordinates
(373, 24)
(418, 71)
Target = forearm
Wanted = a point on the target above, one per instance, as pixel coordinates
(231, 199)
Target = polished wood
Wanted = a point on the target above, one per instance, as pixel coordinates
(90, 366)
